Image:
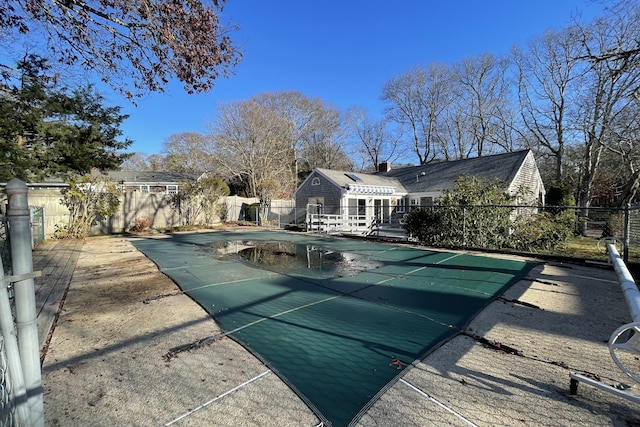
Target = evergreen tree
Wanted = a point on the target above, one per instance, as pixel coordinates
(48, 131)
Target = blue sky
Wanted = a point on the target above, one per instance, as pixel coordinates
(343, 51)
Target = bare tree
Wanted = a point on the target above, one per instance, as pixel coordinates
(609, 110)
(252, 142)
(189, 152)
(482, 101)
(323, 146)
(148, 41)
(416, 101)
(316, 134)
(373, 138)
(144, 162)
(550, 78)
(625, 150)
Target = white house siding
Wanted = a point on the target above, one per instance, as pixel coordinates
(528, 176)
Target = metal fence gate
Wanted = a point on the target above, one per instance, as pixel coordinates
(37, 224)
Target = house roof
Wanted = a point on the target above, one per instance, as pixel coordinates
(147, 177)
(443, 175)
(346, 178)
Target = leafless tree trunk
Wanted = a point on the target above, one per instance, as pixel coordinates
(252, 142)
(416, 101)
(189, 152)
(373, 138)
(611, 105)
(549, 83)
(482, 99)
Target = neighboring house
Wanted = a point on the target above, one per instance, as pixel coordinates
(352, 201)
(150, 181)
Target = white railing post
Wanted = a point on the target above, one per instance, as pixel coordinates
(25, 297)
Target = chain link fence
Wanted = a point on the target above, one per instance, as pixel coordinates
(563, 231)
(37, 224)
(7, 409)
(5, 253)
(279, 213)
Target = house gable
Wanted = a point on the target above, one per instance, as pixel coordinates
(528, 177)
(320, 189)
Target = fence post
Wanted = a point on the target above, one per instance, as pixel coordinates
(14, 366)
(25, 297)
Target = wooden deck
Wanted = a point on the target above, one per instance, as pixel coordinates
(56, 260)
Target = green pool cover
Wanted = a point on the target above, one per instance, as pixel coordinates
(332, 317)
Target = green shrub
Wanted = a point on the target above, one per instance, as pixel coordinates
(544, 231)
(89, 199)
(472, 215)
(424, 225)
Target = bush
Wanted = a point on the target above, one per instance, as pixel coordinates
(468, 216)
(544, 231)
(197, 201)
(89, 199)
(560, 195)
(424, 225)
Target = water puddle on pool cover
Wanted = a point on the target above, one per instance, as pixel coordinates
(296, 258)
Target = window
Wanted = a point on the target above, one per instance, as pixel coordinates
(144, 188)
(426, 201)
(353, 177)
(362, 207)
(400, 205)
(172, 189)
(315, 181)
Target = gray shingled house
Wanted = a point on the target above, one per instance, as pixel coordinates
(350, 201)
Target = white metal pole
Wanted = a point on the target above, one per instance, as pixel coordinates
(18, 389)
(25, 297)
(629, 287)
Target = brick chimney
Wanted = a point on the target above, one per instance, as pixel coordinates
(384, 167)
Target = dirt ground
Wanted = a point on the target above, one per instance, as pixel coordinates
(106, 362)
